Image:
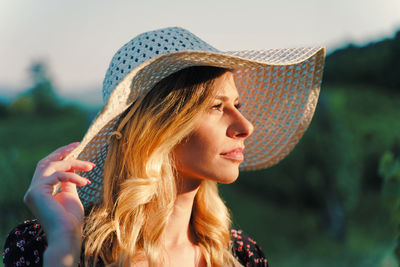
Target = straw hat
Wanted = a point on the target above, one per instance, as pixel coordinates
(278, 88)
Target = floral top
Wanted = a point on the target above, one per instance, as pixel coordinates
(27, 242)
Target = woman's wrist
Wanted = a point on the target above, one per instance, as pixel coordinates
(62, 254)
(63, 249)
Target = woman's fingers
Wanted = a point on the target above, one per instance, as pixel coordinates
(60, 176)
(47, 168)
(70, 165)
(52, 170)
(46, 186)
(64, 210)
(58, 155)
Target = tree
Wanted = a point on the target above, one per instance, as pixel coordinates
(43, 94)
(40, 99)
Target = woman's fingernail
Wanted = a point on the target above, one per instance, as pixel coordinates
(91, 164)
(88, 181)
(75, 143)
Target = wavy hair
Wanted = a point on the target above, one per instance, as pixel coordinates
(139, 179)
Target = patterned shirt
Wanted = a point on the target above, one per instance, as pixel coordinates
(27, 242)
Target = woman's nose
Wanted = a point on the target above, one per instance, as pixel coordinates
(240, 126)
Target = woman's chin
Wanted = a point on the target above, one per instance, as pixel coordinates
(227, 178)
(227, 181)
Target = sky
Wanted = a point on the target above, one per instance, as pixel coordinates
(77, 38)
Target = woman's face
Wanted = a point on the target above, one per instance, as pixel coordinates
(214, 150)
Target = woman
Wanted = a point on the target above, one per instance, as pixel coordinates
(170, 130)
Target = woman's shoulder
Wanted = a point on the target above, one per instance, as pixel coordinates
(25, 245)
(246, 250)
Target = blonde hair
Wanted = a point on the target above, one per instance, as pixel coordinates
(139, 179)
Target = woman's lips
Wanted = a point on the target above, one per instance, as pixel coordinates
(235, 154)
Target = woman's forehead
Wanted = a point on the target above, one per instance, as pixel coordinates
(225, 87)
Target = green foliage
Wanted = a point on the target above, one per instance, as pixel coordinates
(336, 162)
(389, 167)
(44, 98)
(389, 170)
(4, 110)
(295, 237)
(24, 140)
(392, 67)
(41, 98)
(23, 105)
(377, 63)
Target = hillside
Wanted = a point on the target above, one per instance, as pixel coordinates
(376, 63)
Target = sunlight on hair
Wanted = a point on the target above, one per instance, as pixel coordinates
(139, 179)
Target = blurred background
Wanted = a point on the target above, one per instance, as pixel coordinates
(334, 201)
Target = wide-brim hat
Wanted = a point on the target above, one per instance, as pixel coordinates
(278, 90)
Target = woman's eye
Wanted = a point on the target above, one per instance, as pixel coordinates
(217, 106)
(238, 106)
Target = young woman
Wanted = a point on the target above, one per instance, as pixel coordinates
(171, 129)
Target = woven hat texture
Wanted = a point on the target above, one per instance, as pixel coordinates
(278, 89)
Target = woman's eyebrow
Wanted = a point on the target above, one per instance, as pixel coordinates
(225, 98)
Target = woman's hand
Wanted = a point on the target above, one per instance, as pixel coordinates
(60, 215)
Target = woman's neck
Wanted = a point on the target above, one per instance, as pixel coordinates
(178, 231)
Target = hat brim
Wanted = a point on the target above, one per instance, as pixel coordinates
(278, 89)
